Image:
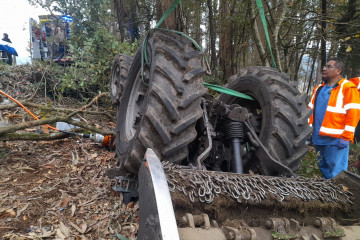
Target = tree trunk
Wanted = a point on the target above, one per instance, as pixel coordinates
(212, 34)
(174, 20)
(312, 69)
(225, 48)
(257, 39)
(197, 23)
(122, 13)
(323, 33)
(281, 17)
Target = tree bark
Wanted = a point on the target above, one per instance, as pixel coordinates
(225, 44)
(259, 45)
(312, 69)
(197, 23)
(323, 33)
(174, 20)
(212, 34)
(122, 13)
(281, 13)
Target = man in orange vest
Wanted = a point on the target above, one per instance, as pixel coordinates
(336, 113)
(356, 81)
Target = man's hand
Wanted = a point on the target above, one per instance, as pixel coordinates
(342, 144)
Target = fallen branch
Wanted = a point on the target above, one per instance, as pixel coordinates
(20, 126)
(46, 107)
(35, 137)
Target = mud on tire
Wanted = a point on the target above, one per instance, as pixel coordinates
(119, 73)
(280, 113)
(160, 111)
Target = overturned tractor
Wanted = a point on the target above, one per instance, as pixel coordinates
(207, 144)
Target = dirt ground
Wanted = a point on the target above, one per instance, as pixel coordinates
(58, 189)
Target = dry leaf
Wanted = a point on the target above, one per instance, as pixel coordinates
(45, 129)
(7, 212)
(130, 205)
(103, 161)
(65, 202)
(51, 165)
(25, 218)
(73, 209)
(60, 234)
(93, 155)
(345, 188)
(83, 227)
(64, 229)
(46, 234)
(5, 180)
(30, 129)
(80, 230)
(21, 210)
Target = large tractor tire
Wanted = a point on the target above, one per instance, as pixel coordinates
(119, 73)
(160, 111)
(279, 113)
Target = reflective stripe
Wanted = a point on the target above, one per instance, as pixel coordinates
(352, 106)
(340, 97)
(331, 130)
(311, 105)
(349, 128)
(310, 125)
(335, 110)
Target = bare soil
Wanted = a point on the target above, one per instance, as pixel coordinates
(44, 184)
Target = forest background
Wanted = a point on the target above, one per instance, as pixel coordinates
(303, 35)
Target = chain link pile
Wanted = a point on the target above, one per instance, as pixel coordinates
(206, 185)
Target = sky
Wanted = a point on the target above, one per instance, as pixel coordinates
(14, 20)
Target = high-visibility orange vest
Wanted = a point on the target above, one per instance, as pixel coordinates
(356, 81)
(342, 113)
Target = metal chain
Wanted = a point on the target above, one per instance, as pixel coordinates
(204, 186)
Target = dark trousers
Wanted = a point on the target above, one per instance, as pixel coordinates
(8, 57)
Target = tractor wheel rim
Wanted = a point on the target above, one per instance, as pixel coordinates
(135, 107)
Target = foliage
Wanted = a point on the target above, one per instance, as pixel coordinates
(92, 45)
(296, 44)
(309, 166)
(335, 234)
(354, 157)
(93, 59)
(280, 236)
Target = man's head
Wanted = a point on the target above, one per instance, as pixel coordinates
(5, 35)
(333, 69)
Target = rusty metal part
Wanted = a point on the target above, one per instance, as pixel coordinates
(128, 187)
(196, 220)
(205, 154)
(269, 164)
(239, 114)
(157, 219)
(283, 227)
(205, 186)
(261, 233)
(329, 228)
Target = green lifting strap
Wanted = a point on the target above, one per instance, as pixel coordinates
(208, 85)
(171, 8)
(227, 91)
(263, 20)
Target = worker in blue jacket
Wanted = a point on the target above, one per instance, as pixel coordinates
(7, 54)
